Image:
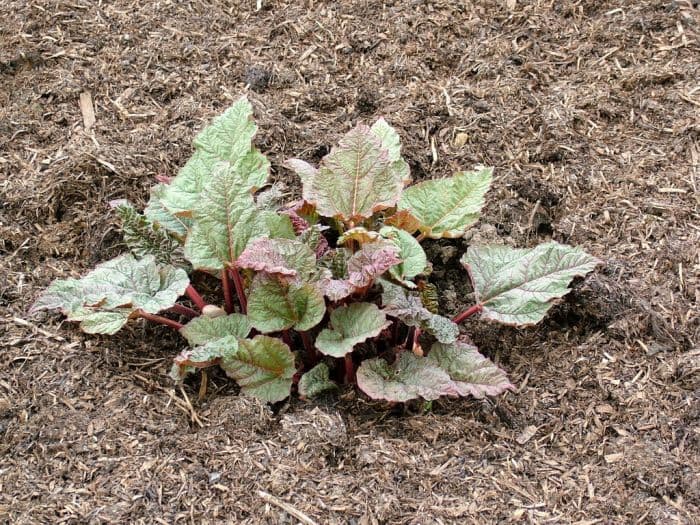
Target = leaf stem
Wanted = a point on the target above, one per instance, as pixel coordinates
(194, 296)
(467, 313)
(309, 347)
(349, 369)
(181, 309)
(421, 237)
(240, 290)
(159, 319)
(287, 338)
(416, 348)
(226, 285)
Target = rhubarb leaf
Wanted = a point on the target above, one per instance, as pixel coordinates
(392, 143)
(204, 356)
(274, 305)
(351, 325)
(316, 381)
(447, 207)
(96, 321)
(359, 234)
(142, 236)
(202, 330)
(404, 220)
(410, 377)
(471, 373)
(413, 258)
(223, 145)
(518, 286)
(282, 257)
(408, 308)
(371, 261)
(157, 213)
(262, 366)
(355, 180)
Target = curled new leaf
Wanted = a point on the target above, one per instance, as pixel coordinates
(517, 286)
(357, 178)
(263, 367)
(410, 377)
(447, 207)
(274, 305)
(316, 381)
(351, 325)
(471, 373)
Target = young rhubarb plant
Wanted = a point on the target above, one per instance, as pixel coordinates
(332, 288)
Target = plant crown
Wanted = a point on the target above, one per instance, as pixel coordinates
(331, 287)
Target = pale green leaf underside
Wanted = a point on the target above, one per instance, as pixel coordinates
(518, 286)
(447, 207)
(274, 305)
(204, 356)
(118, 287)
(316, 381)
(413, 258)
(471, 373)
(262, 366)
(410, 377)
(355, 180)
(202, 330)
(351, 325)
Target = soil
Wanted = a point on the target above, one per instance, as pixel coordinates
(589, 111)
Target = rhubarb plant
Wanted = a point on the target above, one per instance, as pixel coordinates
(333, 288)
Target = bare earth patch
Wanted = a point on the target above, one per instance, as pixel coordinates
(590, 113)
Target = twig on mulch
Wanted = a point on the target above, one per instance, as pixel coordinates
(286, 507)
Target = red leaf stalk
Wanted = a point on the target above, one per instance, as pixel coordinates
(195, 297)
(349, 369)
(159, 319)
(181, 309)
(226, 285)
(467, 313)
(240, 290)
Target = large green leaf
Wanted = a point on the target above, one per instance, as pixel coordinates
(351, 325)
(202, 330)
(408, 308)
(471, 373)
(447, 207)
(356, 179)
(316, 381)
(410, 377)
(518, 286)
(413, 258)
(262, 366)
(274, 305)
(223, 145)
(119, 288)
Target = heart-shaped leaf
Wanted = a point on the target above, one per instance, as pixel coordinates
(316, 381)
(262, 366)
(518, 286)
(202, 330)
(408, 308)
(410, 377)
(119, 288)
(274, 305)
(357, 178)
(351, 325)
(447, 207)
(471, 373)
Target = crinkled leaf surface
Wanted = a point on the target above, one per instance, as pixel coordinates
(351, 325)
(142, 236)
(408, 308)
(356, 179)
(316, 381)
(410, 377)
(282, 257)
(471, 373)
(157, 213)
(118, 287)
(404, 220)
(274, 305)
(517, 286)
(413, 258)
(204, 356)
(371, 261)
(392, 143)
(447, 207)
(223, 145)
(202, 330)
(262, 366)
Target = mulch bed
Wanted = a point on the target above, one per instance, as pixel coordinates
(590, 113)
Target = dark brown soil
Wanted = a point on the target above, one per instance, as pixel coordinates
(590, 112)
